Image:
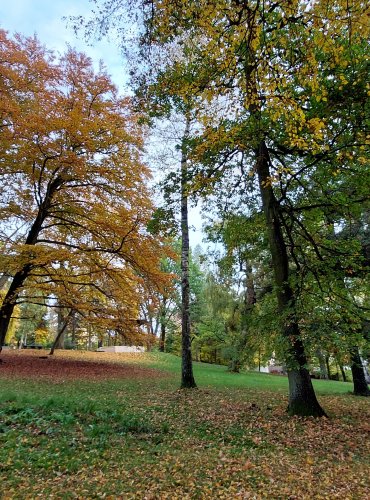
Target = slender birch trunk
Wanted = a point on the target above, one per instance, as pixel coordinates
(187, 377)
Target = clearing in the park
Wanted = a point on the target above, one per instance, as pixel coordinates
(102, 425)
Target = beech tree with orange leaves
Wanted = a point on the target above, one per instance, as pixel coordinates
(75, 201)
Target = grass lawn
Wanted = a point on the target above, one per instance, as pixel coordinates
(99, 425)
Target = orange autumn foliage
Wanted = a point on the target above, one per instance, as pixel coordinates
(75, 200)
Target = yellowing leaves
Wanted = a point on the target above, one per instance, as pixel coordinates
(343, 80)
(316, 126)
(362, 160)
(77, 187)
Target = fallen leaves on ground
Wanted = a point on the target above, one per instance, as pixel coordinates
(69, 365)
(148, 440)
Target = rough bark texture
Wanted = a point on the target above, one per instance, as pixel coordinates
(187, 377)
(360, 387)
(302, 398)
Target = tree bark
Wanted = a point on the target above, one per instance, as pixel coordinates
(323, 370)
(10, 299)
(302, 398)
(342, 371)
(187, 377)
(249, 302)
(163, 336)
(59, 344)
(162, 321)
(61, 332)
(360, 387)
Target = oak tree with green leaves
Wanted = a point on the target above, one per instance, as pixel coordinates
(285, 88)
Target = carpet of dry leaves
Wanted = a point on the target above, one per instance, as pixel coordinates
(209, 443)
(72, 365)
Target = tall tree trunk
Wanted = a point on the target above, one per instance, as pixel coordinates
(162, 320)
(60, 332)
(10, 299)
(187, 377)
(302, 398)
(59, 344)
(249, 301)
(342, 371)
(360, 387)
(163, 336)
(323, 370)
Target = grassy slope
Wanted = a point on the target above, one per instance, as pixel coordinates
(143, 438)
(217, 376)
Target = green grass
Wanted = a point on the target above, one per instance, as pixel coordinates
(209, 375)
(143, 437)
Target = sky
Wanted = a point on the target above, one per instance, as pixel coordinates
(45, 19)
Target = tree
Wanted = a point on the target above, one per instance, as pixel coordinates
(184, 110)
(14, 325)
(268, 66)
(215, 322)
(246, 47)
(75, 204)
(32, 317)
(169, 301)
(187, 377)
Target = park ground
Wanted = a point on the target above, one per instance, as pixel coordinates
(98, 425)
